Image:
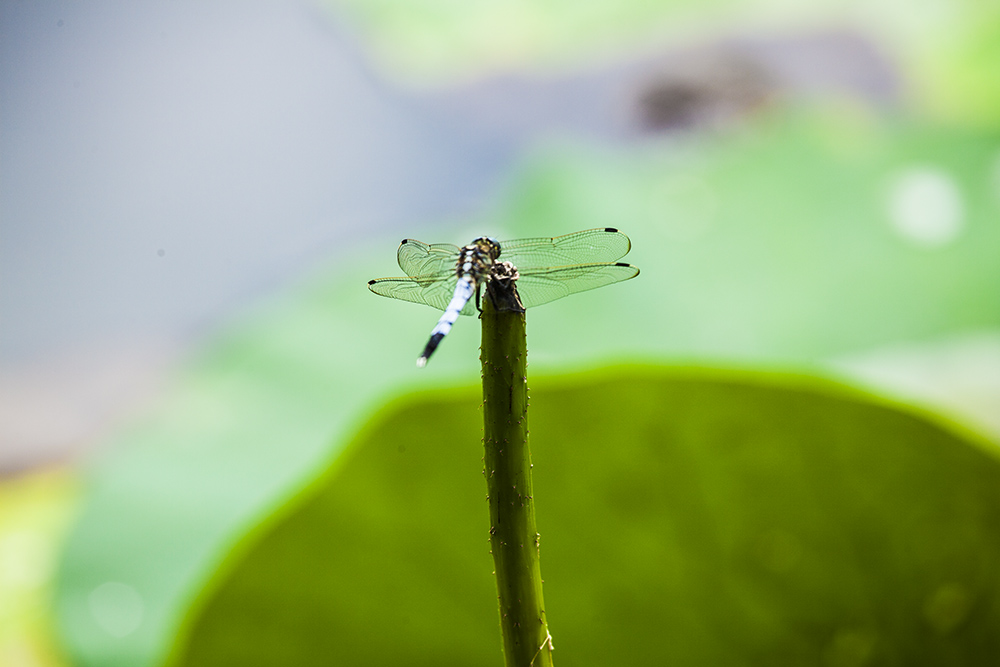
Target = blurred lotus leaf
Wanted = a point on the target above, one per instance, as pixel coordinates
(687, 517)
(813, 236)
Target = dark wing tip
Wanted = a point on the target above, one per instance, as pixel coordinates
(611, 230)
(371, 282)
(403, 241)
(630, 266)
(616, 264)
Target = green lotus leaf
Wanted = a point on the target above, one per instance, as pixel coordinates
(686, 517)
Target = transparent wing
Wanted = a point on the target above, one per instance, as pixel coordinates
(588, 247)
(538, 286)
(419, 259)
(434, 291)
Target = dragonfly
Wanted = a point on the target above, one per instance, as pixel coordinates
(446, 277)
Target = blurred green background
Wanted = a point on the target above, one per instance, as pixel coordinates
(812, 195)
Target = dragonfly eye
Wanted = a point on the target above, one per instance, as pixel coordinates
(494, 246)
(487, 244)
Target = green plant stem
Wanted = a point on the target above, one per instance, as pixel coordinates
(513, 536)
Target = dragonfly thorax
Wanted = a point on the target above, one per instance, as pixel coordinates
(477, 258)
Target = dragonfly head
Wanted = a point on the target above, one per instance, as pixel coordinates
(488, 246)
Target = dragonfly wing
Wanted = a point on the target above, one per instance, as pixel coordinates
(587, 247)
(435, 291)
(541, 285)
(422, 259)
